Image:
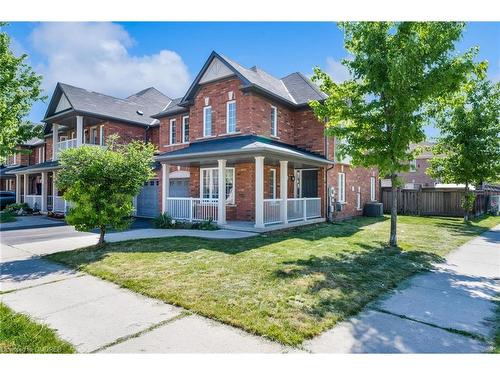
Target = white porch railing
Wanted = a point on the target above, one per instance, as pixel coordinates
(59, 205)
(63, 145)
(303, 208)
(272, 211)
(192, 209)
(33, 200)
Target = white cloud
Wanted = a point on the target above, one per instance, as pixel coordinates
(336, 70)
(96, 56)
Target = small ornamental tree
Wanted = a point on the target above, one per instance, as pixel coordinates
(20, 87)
(468, 149)
(397, 68)
(101, 183)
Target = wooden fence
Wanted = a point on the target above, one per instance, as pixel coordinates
(433, 202)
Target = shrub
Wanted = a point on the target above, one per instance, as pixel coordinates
(7, 217)
(15, 207)
(165, 221)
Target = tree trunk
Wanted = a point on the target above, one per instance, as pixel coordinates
(102, 229)
(393, 241)
(466, 200)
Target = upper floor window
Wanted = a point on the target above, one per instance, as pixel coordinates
(341, 187)
(14, 159)
(185, 129)
(231, 116)
(413, 165)
(173, 126)
(207, 121)
(41, 154)
(274, 121)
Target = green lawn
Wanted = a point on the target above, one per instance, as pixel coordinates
(19, 334)
(7, 217)
(287, 286)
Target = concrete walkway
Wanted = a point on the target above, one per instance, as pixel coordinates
(424, 314)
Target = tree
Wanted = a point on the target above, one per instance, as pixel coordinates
(102, 182)
(20, 87)
(468, 148)
(397, 68)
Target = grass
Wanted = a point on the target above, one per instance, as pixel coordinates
(19, 334)
(287, 286)
(7, 217)
(496, 322)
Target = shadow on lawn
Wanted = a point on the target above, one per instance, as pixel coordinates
(346, 281)
(189, 244)
(460, 227)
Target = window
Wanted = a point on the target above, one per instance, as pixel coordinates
(86, 138)
(14, 159)
(272, 183)
(93, 136)
(413, 165)
(372, 189)
(207, 121)
(209, 184)
(101, 135)
(274, 121)
(231, 116)
(358, 199)
(173, 126)
(41, 152)
(341, 188)
(185, 129)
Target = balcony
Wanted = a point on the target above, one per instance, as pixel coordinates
(71, 143)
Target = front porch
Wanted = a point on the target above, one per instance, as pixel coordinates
(264, 189)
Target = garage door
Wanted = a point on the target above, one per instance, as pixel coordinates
(179, 187)
(147, 200)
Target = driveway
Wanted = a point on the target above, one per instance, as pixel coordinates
(35, 221)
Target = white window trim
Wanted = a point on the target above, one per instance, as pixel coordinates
(358, 199)
(205, 121)
(274, 122)
(413, 165)
(101, 135)
(273, 172)
(14, 158)
(228, 131)
(184, 129)
(170, 134)
(230, 201)
(372, 189)
(341, 187)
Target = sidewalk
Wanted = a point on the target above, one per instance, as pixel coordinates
(425, 313)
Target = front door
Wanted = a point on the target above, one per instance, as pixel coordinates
(309, 184)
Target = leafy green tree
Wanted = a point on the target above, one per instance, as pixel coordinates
(20, 87)
(397, 68)
(468, 148)
(102, 182)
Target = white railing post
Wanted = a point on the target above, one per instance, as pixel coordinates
(165, 185)
(191, 208)
(304, 202)
(221, 203)
(55, 140)
(79, 130)
(259, 192)
(25, 186)
(284, 190)
(18, 188)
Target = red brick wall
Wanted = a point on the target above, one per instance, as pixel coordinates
(420, 176)
(354, 178)
(309, 132)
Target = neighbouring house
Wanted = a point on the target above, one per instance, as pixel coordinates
(417, 177)
(31, 152)
(254, 129)
(259, 132)
(76, 117)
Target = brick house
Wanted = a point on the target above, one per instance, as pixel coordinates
(260, 133)
(75, 117)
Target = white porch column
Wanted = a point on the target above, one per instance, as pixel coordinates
(165, 185)
(55, 139)
(43, 207)
(284, 190)
(259, 192)
(25, 183)
(221, 203)
(79, 130)
(54, 190)
(18, 188)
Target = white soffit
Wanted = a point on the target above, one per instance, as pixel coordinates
(216, 70)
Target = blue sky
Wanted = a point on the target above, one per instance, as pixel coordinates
(122, 58)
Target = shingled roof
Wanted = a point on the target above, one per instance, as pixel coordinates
(294, 90)
(136, 109)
